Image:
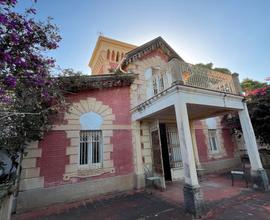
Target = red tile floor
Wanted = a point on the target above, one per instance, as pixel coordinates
(214, 187)
(222, 202)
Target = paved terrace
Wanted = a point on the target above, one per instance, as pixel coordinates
(222, 202)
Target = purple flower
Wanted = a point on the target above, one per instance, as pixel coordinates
(14, 38)
(10, 81)
(8, 2)
(20, 62)
(45, 94)
(3, 19)
(7, 57)
(2, 91)
(5, 99)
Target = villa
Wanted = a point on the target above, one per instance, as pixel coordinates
(143, 111)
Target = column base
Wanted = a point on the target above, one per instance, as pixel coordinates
(139, 181)
(200, 174)
(260, 179)
(193, 200)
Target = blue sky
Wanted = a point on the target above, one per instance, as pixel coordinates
(234, 34)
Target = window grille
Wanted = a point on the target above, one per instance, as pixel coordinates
(161, 83)
(91, 148)
(174, 146)
(155, 87)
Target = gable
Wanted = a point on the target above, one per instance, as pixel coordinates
(158, 44)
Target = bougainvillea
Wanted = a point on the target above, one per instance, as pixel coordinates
(258, 103)
(250, 85)
(29, 95)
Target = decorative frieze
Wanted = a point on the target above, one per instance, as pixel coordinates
(88, 173)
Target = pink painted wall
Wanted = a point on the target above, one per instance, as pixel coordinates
(202, 145)
(53, 160)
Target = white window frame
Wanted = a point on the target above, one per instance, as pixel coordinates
(212, 134)
(89, 146)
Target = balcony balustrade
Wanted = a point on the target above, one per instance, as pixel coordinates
(180, 72)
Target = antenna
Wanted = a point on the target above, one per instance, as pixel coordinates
(100, 33)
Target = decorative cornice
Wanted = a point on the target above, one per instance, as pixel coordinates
(150, 46)
(80, 83)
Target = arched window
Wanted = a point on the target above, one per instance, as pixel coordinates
(122, 56)
(113, 56)
(117, 56)
(91, 149)
(108, 54)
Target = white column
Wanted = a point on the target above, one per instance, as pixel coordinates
(186, 143)
(250, 139)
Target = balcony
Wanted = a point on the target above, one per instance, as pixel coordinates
(180, 72)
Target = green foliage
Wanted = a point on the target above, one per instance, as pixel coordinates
(222, 70)
(211, 65)
(249, 85)
(71, 72)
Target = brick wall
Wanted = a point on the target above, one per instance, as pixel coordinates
(53, 159)
(59, 148)
(226, 140)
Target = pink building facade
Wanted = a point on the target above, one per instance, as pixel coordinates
(107, 142)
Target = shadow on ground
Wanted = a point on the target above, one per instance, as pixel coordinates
(223, 202)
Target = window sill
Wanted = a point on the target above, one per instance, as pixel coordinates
(216, 155)
(90, 166)
(87, 172)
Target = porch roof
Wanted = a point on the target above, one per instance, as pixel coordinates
(201, 103)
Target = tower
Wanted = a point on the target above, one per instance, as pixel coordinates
(107, 54)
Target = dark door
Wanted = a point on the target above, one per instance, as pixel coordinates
(165, 152)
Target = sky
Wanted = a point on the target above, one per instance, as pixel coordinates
(233, 34)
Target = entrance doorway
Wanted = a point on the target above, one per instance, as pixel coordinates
(167, 160)
(165, 152)
(171, 152)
